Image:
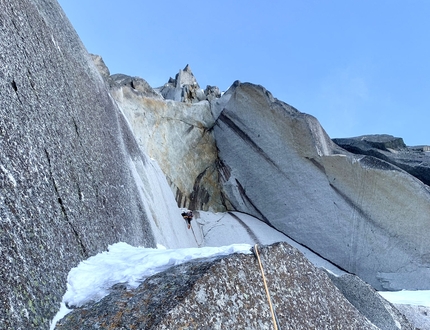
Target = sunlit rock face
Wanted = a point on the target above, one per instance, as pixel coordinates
(66, 188)
(227, 293)
(178, 136)
(363, 214)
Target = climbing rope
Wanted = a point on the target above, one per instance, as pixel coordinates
(195, 238)
(272, 310)
(194, 234)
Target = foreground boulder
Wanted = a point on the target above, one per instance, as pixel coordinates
(227, 293)
(361, 213)
(66, 187)
(414, 160)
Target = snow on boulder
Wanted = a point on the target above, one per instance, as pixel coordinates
(361, 213)
(226, 293)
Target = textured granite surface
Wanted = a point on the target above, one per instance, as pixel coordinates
(66, 191)
(226, 293)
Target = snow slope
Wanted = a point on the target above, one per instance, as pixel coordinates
(220, 229)
(405, 297)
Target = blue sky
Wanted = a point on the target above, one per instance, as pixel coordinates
(360, 67)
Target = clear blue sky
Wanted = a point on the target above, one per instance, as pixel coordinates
(360, 67)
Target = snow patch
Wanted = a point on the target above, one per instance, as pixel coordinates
(407, 297)
(92, 279)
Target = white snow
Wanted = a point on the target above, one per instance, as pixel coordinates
(406, 297)
(122, 263)
(235, 227)
(164, 215)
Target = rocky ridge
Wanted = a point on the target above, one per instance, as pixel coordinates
(414, 160)
(176, 134)
(185, 88)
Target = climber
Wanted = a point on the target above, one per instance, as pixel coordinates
(188, 216)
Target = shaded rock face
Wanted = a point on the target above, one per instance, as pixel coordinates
(66, 190)
(363, 214)
(178, 135)
(212, 93)
(227, 293)
(414, 160)
(376, 309)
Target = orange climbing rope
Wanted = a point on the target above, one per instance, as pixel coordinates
(272, 310)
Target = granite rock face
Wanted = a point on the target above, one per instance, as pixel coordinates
(176, 134)
(73, 179)
(66, 189)
(101, 66)
(138, 85)
(184, 88)
(419, 316)
(361, 213)
(414, 160)
(212, 93)
(227, 293)
(376, 309)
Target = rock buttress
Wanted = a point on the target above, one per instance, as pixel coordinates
(363, 214)
(65, 188)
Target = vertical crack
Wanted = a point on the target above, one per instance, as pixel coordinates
(246, 199)
(14, 86)
(63, 208)
(199, 195)
(76, 127)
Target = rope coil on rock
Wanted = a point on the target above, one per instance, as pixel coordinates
(272, 309)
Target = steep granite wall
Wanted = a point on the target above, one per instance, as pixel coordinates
(66, 189)
(363, 214)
